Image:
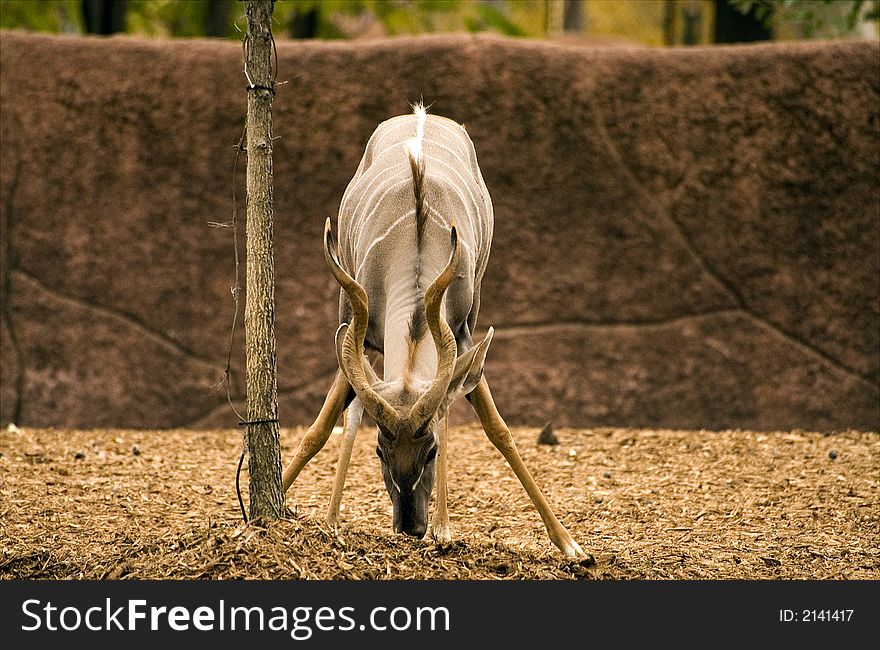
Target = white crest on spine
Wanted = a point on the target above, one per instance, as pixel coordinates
(414, 145)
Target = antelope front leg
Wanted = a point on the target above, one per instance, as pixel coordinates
(352, 421)
(316, 437)
(499, 434)
(440, 519)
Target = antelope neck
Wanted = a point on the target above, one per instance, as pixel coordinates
(403, 298)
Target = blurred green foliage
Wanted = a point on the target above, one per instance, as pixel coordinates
(61, 16)
(639, 21)
(146, 17)
(190, 18)
(825, 17)
(408, 17)
(171, 18)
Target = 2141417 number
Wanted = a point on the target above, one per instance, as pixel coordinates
(816, 615)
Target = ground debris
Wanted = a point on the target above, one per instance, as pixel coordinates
(547, 436)
(644, 504)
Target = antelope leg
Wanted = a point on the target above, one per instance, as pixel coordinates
(316, 437)
(440, 518)
(352, 421)
(498, 433)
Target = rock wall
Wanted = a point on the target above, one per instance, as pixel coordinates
(684, 238)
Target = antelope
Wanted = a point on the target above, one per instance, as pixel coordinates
(414, 230)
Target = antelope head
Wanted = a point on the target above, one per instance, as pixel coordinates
(407, 416)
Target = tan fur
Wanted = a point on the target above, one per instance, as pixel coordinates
(412, 348)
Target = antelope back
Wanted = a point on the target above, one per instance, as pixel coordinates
(384, 246)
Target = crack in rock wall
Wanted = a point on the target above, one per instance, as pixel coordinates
(684, 238)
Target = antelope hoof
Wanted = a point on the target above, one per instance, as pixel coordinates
(332, 519)
(441, 534)
(567, 545)
(573, 550)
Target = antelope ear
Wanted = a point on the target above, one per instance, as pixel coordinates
(468, 369)
(368, 367)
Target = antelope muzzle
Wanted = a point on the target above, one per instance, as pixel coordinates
(410, 492)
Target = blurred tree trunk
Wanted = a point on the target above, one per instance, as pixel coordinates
(264, 449)
(219, 17)
(669, 22)
(733, 26)
(104, 16)
(573, 19)
(692, 17)
(304, 23)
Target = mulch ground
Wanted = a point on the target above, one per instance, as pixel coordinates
(113, 504)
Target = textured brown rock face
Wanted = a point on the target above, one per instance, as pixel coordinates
(684, 238)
